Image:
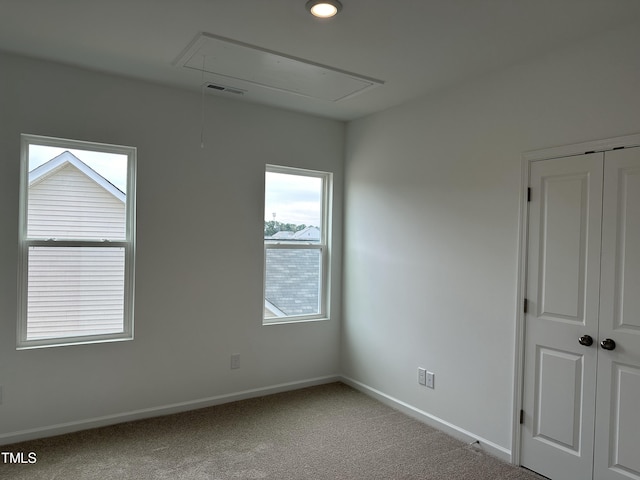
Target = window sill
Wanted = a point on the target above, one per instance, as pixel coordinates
(32, 345)
(267, 323)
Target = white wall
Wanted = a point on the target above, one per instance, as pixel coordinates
(199, 243)
(431, 224)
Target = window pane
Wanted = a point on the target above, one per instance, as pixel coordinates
(292, 282)
(76, 194)
(74, 291)
(293, 207)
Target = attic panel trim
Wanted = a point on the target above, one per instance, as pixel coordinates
(244, 66)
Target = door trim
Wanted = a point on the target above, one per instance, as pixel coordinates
(523, 221)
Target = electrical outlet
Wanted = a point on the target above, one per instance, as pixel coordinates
(431, 379)
(235, 360)
(422, 376)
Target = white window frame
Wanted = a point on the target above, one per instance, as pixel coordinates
(25, 243)
(323, 246)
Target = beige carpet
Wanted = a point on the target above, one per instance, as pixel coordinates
(325, 432)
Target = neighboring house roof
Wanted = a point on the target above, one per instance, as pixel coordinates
(283, 235)
(293, 275)
(292, 281)
(308, 233)
(65, 158)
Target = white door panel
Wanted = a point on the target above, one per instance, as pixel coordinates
(617, 455)
(562, 291)
(617, 451)
(562, 246)
(556, 418)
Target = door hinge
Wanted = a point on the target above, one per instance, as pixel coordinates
(528, 194)
(521, 417)
(525, 306)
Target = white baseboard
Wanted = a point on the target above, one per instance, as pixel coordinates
(62, 428)
(431, 420)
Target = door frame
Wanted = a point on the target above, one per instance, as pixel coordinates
(527, 159)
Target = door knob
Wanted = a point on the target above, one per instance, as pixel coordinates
(585, 340)
(608, 344)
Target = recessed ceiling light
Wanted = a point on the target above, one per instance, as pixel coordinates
(324, 8)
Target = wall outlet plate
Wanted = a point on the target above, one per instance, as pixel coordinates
(422, 376)
(431, 379)
(235, 360)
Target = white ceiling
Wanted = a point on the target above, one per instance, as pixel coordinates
(414, 46)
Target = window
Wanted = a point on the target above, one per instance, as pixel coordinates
(77, 239)
(296, 256)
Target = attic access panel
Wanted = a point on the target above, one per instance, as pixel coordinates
(240, 64)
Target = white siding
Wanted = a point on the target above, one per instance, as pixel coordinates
(68, 204)
(74, 291)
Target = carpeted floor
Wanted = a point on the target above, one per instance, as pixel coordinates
(325, 432)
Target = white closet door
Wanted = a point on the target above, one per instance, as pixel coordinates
(617, 451)
(563, 295)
